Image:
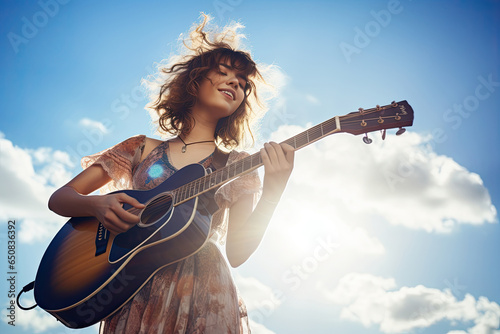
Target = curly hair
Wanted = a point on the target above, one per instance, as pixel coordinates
(180, 80)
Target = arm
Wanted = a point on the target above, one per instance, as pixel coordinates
(246, 228)
(71, 200)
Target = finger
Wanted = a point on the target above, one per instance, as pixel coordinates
(271, 152)
(124, 198)
(265, 157)
(114, 224)
(125, 216)
(280, 154)
(289, 152)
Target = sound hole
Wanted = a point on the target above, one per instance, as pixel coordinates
(155, 210)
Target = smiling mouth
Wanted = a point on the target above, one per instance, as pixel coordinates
(227, 93)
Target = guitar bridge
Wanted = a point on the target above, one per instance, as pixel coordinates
(101, 240)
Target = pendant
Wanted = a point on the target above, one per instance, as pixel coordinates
(183, 150)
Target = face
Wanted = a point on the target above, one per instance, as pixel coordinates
(222, 92)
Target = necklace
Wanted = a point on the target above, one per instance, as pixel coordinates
(183, 149)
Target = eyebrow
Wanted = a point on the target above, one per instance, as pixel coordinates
(238, 75)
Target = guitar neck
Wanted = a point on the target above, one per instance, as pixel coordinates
(394, 115)
(252, 162)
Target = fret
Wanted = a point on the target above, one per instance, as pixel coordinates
(242, 167)
(192, 190)
(314, 133)
(231, 171)
(175, 195)
(224, 174)
(330, 126)
(206, 183)
(290, 141)
(212, 178)
(182, 193)
(255, 159)
(196, 186)
(247, 163)
(301, 140)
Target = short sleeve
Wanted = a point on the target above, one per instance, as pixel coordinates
(248, 184)
(118, 161)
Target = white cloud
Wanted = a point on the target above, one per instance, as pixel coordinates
(259, 328)
(93, 125)
(34, 321)
(261, 301)
(400, 179)
(367, 299)
(257, 295)
(39, 321)
(28, 178)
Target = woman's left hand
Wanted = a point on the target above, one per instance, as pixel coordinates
(278, 165)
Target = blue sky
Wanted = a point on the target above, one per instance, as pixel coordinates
(400, 236)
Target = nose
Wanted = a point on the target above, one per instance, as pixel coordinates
(232, 80)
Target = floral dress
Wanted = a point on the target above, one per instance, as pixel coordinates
(197, 294)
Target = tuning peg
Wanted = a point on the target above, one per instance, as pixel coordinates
(366, 139)
(400, 131)
(383, 134)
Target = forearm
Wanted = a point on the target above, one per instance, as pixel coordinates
(246, 232)
(67, 202)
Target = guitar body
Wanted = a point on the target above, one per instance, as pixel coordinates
(87, 273)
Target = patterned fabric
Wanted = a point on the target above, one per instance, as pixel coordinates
(196, 295)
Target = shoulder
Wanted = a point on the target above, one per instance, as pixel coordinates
(149, 145)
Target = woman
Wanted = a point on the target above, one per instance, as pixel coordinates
(208, 100)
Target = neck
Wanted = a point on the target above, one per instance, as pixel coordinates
(202, 129)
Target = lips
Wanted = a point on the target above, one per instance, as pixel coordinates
(229, 93)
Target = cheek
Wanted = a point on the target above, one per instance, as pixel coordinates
(205, 90)
(241, 99)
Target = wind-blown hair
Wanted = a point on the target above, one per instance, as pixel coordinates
(175, 87)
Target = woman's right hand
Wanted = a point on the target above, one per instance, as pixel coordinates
(108, 209)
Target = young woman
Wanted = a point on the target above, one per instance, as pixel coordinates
(207, 101)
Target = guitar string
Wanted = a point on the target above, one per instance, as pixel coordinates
(192, 188)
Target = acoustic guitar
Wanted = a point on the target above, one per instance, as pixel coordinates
(87, 273)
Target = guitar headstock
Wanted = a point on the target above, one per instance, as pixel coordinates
(394, 115)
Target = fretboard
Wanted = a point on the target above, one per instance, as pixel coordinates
(250, 163)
